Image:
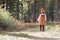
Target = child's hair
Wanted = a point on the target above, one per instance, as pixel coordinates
(42, 10)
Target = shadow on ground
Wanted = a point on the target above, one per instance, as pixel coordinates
(28, 36)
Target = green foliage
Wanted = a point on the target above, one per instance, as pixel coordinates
(6, 19)
(11, 23)
(50, 28)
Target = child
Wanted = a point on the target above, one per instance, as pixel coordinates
(42, 19)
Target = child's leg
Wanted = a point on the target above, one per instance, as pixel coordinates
(43, 28)
(40, 27)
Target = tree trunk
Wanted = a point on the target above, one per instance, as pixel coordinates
(57, 16)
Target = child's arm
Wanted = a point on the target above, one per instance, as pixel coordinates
(45, 18)
(38, 18)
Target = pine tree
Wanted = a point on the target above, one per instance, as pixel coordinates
(51, 9)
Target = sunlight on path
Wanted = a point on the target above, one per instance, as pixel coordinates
(6, 37)
(32, 36)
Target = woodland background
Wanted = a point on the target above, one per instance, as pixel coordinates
(19, 14)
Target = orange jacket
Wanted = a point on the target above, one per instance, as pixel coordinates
(42, 19)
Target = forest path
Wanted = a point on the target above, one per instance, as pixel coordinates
(30, 34)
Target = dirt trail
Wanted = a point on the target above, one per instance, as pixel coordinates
(32, 34)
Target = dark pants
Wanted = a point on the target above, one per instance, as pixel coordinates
(42, 28)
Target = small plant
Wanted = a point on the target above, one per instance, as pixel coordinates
(9, 21)
(5, 19)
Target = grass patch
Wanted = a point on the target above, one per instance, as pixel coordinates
(19, 35)
(52, 27)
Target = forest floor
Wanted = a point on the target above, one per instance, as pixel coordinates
(32, 34)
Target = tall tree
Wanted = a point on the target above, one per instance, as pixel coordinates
(51, 9)
(58, 11)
